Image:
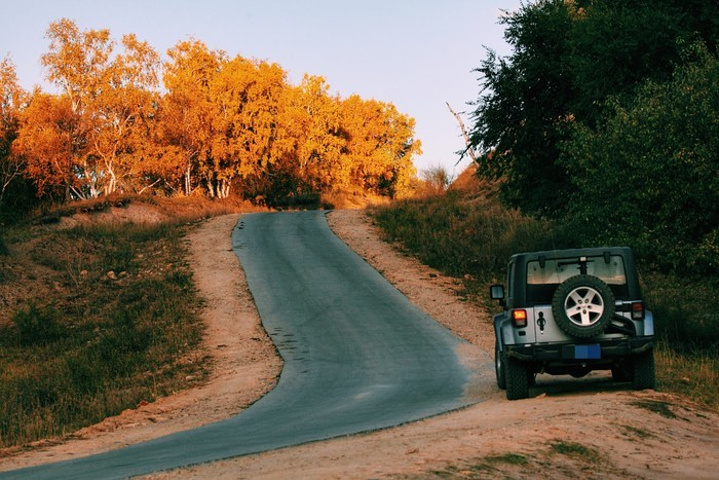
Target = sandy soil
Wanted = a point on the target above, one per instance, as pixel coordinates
(588, 428)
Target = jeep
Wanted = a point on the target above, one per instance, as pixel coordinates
(568, 312)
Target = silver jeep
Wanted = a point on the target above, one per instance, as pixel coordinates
(568, 312)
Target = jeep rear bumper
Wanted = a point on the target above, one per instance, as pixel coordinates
(613, 348)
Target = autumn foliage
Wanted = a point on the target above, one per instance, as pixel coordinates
(197, 122)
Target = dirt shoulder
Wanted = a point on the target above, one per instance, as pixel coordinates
(589, 427)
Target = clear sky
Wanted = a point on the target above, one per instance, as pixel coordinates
(416, 54)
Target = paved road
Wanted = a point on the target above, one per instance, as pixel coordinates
(358, 356)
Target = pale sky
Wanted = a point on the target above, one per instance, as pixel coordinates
(416, 54)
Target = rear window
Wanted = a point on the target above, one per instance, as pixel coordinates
(542, 280)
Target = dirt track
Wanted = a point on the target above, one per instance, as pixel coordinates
(585, 428)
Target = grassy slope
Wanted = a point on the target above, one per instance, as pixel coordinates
(469, 235)
(96, 318)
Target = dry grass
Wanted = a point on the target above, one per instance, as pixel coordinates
(695, 375)
(99, 316)
(351, 201)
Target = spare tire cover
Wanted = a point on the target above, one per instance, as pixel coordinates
(583, 306)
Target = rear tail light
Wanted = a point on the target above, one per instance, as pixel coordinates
(637, 311)
(519, 317)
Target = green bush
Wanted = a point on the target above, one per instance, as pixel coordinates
(461, 235)
(37, 325)
(686, 311)
(648, 177)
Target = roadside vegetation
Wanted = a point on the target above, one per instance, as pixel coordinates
(98, 317)
(562, 456)
(471, 235)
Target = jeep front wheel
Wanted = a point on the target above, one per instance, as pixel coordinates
(516, 379)
(583, 306)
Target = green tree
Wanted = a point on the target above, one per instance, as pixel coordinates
(525, 101)
(616, 46)
(569, 57)
(648, 175)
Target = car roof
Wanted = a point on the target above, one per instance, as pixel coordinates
(573, 252)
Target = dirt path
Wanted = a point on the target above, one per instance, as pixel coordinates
(587, 428)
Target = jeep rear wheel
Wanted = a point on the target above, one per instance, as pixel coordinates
(499, 368)
(516, 378)
(531, 378)
(583, 306)
(620, 373)
(643, 374)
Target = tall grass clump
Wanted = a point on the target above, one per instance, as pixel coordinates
(119, 325)
(694, 373)
(686, 319)
(37, 326)
(464, 236)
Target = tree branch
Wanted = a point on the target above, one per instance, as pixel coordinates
(469, 150)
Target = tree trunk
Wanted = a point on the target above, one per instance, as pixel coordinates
(223, 189)
(469, 150)
(188, 179)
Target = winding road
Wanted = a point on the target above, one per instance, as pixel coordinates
(358, 356)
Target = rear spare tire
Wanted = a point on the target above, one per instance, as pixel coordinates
(582, 306)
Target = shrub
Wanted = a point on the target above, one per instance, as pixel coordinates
(647, 177)
(37, 325)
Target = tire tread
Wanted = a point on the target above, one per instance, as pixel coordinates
(516, 379)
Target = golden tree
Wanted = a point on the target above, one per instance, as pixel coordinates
(49, 142)
(312, 123)
(246, 100)
(11, 99)
(380, 146)
(77, 63)
(220, 121)
(124, 113)
(109, 97)
(187, 108)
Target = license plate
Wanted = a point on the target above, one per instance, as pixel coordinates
(587, 352)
